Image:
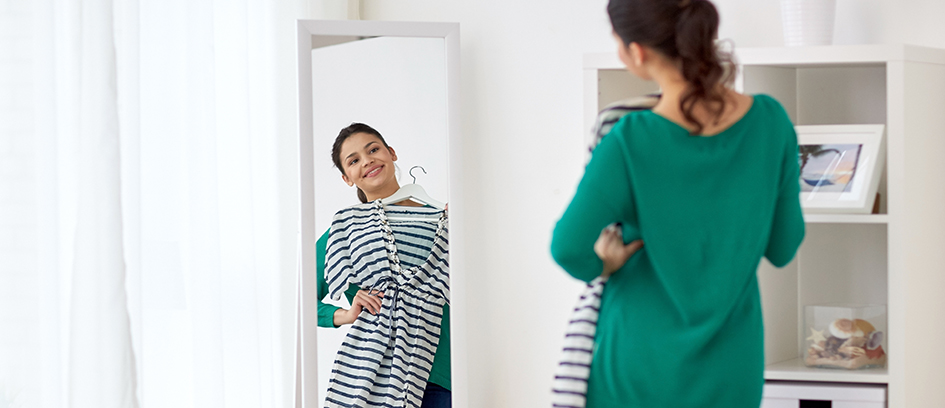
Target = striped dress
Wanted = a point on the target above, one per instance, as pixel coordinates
(614, 112)
(570, 385)
(385, 359)
(569, 389)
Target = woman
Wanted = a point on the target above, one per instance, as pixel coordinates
(708, 180)
(366, 161)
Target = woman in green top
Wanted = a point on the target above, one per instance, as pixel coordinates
(366, 161)
(708, 180)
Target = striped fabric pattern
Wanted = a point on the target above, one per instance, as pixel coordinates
(385, 359)
(569, 389)
(613, 112)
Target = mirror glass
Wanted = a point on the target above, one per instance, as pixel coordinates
(398, 86)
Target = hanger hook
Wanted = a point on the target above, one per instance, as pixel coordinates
(410, 172)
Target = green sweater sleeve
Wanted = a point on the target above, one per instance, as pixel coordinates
(787, 229)
(602, 198)
(326, 312)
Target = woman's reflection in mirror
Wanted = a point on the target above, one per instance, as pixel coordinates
(378, 362)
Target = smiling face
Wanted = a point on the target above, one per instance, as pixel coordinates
(369, 164)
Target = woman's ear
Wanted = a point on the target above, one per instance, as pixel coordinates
(393, 154)
(638, 54)
(348, 182)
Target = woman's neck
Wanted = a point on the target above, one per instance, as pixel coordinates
(673, 86)
(385, 191)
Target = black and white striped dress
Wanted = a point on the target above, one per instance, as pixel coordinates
(608, 117)
(569, 389)
(385, 359)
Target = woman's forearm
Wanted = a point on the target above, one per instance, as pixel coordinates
(338, 318)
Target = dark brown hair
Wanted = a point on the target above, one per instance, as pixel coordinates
(684, 31)
(340, 140)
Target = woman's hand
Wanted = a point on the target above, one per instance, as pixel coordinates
(611, 249)
(370, 300)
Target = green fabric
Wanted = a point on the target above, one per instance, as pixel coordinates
(439, 373)
(680, 324)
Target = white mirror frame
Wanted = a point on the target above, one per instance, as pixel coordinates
(306, 394)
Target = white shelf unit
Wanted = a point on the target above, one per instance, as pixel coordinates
(896, 257)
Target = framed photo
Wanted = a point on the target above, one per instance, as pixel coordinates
(840, 167)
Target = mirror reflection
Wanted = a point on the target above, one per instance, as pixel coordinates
(381, 162)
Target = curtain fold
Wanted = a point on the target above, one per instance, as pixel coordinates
(102, 363)
(148, 203)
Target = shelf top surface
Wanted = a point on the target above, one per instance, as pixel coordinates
(846, 218)
(806, 56)
(795, 370)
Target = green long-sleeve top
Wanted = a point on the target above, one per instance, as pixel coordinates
(680, 324)
(439, 372)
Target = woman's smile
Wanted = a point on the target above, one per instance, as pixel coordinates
(374, 171)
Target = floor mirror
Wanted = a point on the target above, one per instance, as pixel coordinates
(401, 79)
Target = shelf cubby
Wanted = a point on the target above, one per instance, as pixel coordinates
(838, 263)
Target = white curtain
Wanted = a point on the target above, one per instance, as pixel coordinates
(148, 202)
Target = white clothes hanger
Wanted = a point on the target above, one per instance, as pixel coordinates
(415, 192)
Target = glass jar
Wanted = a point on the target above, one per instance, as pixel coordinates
(843, 336)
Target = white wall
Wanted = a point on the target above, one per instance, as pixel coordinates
(521, 84)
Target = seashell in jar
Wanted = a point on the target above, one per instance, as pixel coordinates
(864, 326)
(855, 342)
(876, 353)
(844, 329)
(876, 339)
(832, 344)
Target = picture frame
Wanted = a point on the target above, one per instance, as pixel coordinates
(841, 166)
